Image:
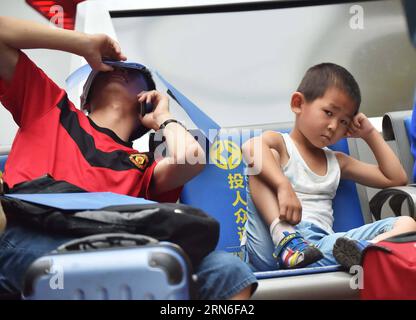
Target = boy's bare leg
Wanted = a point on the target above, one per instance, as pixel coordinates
(402, 225)
(264, 199)
(244, 294)
(348, 252)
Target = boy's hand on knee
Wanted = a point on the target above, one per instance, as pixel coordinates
(290, 208)
(99, 47)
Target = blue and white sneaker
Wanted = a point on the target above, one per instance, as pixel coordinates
(349, 252)
(293, 251)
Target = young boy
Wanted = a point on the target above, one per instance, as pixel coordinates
(289, 204)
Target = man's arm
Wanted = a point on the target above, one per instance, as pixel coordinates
(387, 173)
(18, 34)
(185, 157)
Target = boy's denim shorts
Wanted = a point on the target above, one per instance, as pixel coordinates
(259, 246)
(220, 275)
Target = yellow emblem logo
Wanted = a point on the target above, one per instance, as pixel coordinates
(225, 154)
(140, 160)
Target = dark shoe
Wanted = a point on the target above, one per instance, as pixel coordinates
(349, 252)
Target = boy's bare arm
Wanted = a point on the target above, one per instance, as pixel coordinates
(389, 171)
(18, 34)
(259, 156)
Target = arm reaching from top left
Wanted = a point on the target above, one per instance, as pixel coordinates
(16, 34)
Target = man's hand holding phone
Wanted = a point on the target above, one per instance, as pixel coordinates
(158, 105)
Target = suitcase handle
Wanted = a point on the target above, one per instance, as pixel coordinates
(106, 240)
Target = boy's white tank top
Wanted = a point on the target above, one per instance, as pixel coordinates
(315, 192)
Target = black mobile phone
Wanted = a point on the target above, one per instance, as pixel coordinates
(145, 107)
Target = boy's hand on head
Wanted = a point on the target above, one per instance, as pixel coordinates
(101, 46)
(160, 111)
(290, 208)
(360, 127)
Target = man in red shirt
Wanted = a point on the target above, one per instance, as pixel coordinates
(93, 152)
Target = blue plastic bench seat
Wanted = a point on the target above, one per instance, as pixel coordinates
(295, 272)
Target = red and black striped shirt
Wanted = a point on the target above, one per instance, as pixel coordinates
(56, 138)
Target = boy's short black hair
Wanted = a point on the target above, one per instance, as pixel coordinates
(323, 76)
